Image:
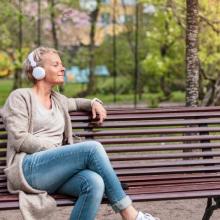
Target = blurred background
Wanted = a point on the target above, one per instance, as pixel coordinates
(122, 51)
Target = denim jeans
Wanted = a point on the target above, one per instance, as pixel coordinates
(82, 170)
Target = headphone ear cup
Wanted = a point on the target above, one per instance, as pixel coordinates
(38, 73)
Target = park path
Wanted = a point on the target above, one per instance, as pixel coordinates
(167, 210)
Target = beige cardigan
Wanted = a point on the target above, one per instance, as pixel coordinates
(18, 114)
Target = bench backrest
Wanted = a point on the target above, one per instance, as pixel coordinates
(151, 146)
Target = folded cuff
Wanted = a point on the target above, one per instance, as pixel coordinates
(122, 204)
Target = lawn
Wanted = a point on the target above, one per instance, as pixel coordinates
(71, 90)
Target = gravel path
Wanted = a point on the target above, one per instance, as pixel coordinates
(166, 210)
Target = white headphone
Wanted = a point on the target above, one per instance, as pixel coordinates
(38, 72)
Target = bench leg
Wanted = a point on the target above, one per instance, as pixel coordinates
(210, 208)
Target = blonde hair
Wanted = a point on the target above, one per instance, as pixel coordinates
(37, 54)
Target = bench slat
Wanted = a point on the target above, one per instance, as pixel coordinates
(159, 110)
(3, 136)
(164, 156)
(2, 154)
(163, 147)
(166, 164)
(149, 131)
(154, 156)
(136, 198)
(148, 123)
(9, 205)
(168, 170)
(175, 195)
(155, 177)
(165, 182)
(159, 139)
(126, 117)
(3, 144)
(176, 188)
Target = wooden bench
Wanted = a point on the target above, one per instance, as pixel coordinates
(159, 154)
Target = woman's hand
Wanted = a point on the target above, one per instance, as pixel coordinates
(98, 109)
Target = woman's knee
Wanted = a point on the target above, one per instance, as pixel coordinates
(97, 146)
(94, 184)
(95, 143)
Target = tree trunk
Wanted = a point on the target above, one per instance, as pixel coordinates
(212, 96)
(18, 70)
(92, 82)
(52, 19)
(39, 23)
(54, 32)
(136, 56)
(192, 61)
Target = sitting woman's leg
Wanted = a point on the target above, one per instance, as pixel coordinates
(49, 170)
(89, 187)
(99, 163)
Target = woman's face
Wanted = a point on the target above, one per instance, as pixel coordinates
(54, 68)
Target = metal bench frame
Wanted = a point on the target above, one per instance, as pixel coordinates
(158, 154)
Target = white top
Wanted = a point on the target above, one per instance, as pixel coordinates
(49, 123)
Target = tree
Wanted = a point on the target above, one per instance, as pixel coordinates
(17, 75)
(209, 52)
(162, 47)
(54, 32)
(192, 61)
(53, 23)
(38, 22)
(7, 20)
(93, 19)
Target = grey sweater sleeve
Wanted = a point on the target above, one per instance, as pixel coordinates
(75, 104)
(17, 121)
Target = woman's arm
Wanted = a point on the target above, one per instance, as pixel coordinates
(75, 104)
(95, 105)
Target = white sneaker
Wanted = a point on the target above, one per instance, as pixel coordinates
(145, 216)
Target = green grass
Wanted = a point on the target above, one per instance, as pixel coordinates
(72, 89)
(5, 89)
(177, 97)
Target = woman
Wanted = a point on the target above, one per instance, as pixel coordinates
(41, 155)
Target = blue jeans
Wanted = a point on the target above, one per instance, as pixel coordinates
(82, 170)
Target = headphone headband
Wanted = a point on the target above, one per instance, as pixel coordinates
(31, 59)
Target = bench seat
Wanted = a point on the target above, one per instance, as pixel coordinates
(158, 154)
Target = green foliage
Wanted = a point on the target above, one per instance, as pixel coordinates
(178, 96)
(6, 66)
(19, 57)
(154, 99)
(8, 22)
(163, 66)
(209, 38)
(106, 86)
(81, 58)
(5, 87)
(71, 3)
(161, 48)
(124, 56)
